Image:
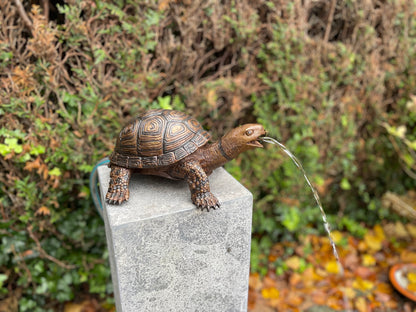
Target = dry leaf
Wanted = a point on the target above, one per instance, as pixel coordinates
(361, 304)
(212, 98)
(43, 211)
(254, 281)
(373, 242)
(270, 293)
(408, 256)
(411, 276)
(368, 260)
(332, 267)
(336, 236)
(363, 285)
(30, 165)
(293, 263)
(411, 228)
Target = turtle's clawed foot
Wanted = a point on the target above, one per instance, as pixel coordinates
(118, 189)
(205, 200)
(117, 196)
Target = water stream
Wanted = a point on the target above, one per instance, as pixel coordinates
(318, 201)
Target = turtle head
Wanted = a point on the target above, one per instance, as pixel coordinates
(242, 138)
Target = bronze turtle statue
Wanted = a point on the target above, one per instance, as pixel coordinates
(173, 145)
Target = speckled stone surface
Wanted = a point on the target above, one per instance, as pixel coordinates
(166, 255)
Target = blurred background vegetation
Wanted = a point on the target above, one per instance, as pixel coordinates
(333, 80)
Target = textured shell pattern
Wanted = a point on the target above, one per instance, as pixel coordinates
(158, 138)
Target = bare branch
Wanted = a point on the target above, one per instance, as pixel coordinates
(330, 20)
(46, 9)
(23, 14)
(44, 254)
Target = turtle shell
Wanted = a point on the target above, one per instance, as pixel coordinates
(158, 138)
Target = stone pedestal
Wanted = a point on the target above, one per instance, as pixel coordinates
(167, 255)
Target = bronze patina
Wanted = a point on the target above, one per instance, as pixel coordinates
(174, 145)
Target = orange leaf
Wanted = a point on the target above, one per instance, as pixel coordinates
(163, 4)
(412, 287)
(30, 165)
(294, 299)
(408, 256)
(254, 281)
(319, 297)
(43, 211)
(28, 252)
(363, 272)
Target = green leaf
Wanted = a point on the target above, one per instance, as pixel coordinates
(36, 150)
(4, 149)
(55, 172)
(291, 219)
(164, 102)
(3, 278)
(345, 184)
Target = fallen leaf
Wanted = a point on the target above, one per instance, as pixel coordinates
(30, 165)
(408, 256)
(336, 236)
(411, 276)
(294, 299)
(362, 285)
(361, 304)
(270, 293)
(349, 292)
(412, 287)
(73, 307)
(254, 281)
(295, 279)
(373, 242)
(379, 232)
(368, 260)
(319, 297)
(332, 267)
(293, 263)
(411, 228)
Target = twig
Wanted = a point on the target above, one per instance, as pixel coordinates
(330, 20)
(46, 9)
(44, 254)
(23, 14)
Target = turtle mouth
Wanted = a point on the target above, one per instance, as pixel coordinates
(255, 143)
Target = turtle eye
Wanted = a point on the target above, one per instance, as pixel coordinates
(249, 132)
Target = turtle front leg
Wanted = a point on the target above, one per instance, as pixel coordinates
(199, 185)
(118, 189)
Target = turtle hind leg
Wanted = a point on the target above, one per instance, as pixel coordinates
(118, 189)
